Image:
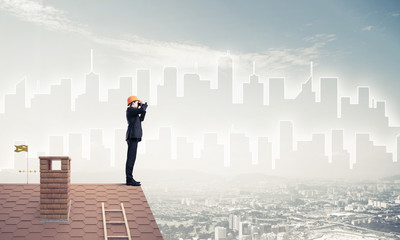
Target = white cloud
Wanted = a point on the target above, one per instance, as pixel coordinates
(367, 28)
(160, 53)
(41, 15)
(152, 52)
(395, 14)
(321, 37)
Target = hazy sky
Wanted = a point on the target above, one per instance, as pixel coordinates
(357, 41)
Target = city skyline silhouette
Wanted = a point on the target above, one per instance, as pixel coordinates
(205, 130)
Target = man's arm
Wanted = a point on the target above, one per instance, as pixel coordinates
(141, 117)
(136, 111)
(144, 107)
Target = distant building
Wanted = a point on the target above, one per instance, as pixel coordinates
(236, 222)
(244, 230)
(220, 233)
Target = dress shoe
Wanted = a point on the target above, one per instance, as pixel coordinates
(136, 181)
(131, 180)
(133, 183)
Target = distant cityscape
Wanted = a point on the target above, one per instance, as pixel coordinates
(259, 207)
(204, 129)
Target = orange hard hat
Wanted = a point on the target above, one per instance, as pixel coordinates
(132, 98)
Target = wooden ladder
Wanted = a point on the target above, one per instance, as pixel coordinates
(106, 237)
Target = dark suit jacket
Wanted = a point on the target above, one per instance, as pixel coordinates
(135, 116)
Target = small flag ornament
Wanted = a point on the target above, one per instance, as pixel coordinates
(24, 148)
(21, 148)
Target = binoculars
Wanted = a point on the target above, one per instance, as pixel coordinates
(140, 104)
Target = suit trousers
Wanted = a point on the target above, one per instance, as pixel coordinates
(131, 158)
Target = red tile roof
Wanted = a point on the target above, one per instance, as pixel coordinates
(20, 212)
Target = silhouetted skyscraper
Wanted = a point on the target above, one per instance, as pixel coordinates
(62, 94)
(345, 110)
(306, 97)
(117, 97)
(337, 140)
(398, 148)
(92, 86)
(264, 154)
(372, 160)
(87, 104)
(14, 103)
(381, 108)
(276, 91)
(99, 155)
(340, 164)
(158, 151)
(56, 105)
(286, 160)
(253, 92)
(286, 138)
(169, 90)
(311, 159)
(240, 156)
(194, 88)
(184, 154)
(56, 145)
(120, 149)
(363, 97)
(75, 149)
(143, 84)
(329, 96)
(225, 78)
(212, 155)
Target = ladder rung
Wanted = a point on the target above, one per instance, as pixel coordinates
(106, 237)
(116, 222)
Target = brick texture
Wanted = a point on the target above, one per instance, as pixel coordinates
(54, 188)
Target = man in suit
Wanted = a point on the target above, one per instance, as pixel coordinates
(135, 114)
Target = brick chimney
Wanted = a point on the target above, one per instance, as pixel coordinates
(55, 174)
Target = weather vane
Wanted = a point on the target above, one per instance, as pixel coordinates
(24, 148)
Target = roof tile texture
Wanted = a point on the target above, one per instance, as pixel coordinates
(20, 213)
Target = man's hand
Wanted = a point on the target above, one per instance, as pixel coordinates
(144, 106)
